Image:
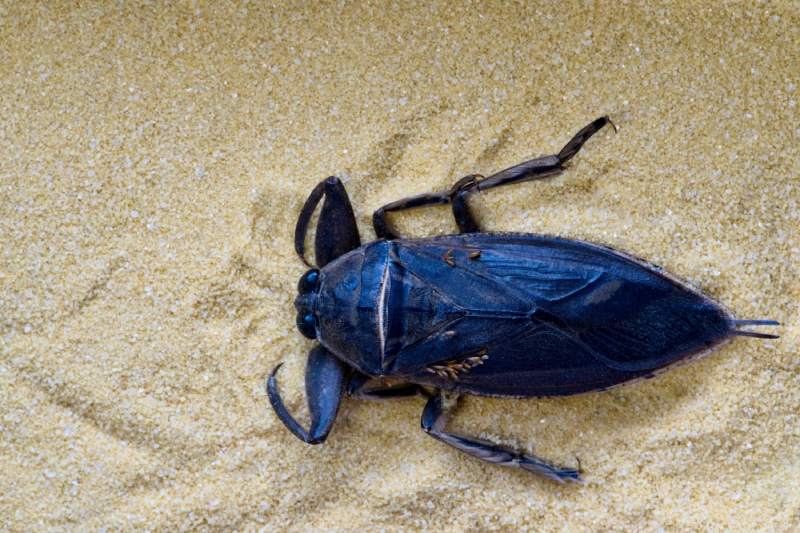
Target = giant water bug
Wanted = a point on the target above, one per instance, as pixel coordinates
(509, 315)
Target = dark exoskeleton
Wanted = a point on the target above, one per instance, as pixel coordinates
(487, 314)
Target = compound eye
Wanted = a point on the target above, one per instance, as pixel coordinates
(307, 325)
(308, 282)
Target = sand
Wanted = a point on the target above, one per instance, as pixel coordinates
(153, 161)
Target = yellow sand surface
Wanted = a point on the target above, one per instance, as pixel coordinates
(154, 157)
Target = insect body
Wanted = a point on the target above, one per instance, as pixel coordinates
(487, 314)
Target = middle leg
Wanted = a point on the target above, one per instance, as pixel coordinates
(541, 167)
(434, 419)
